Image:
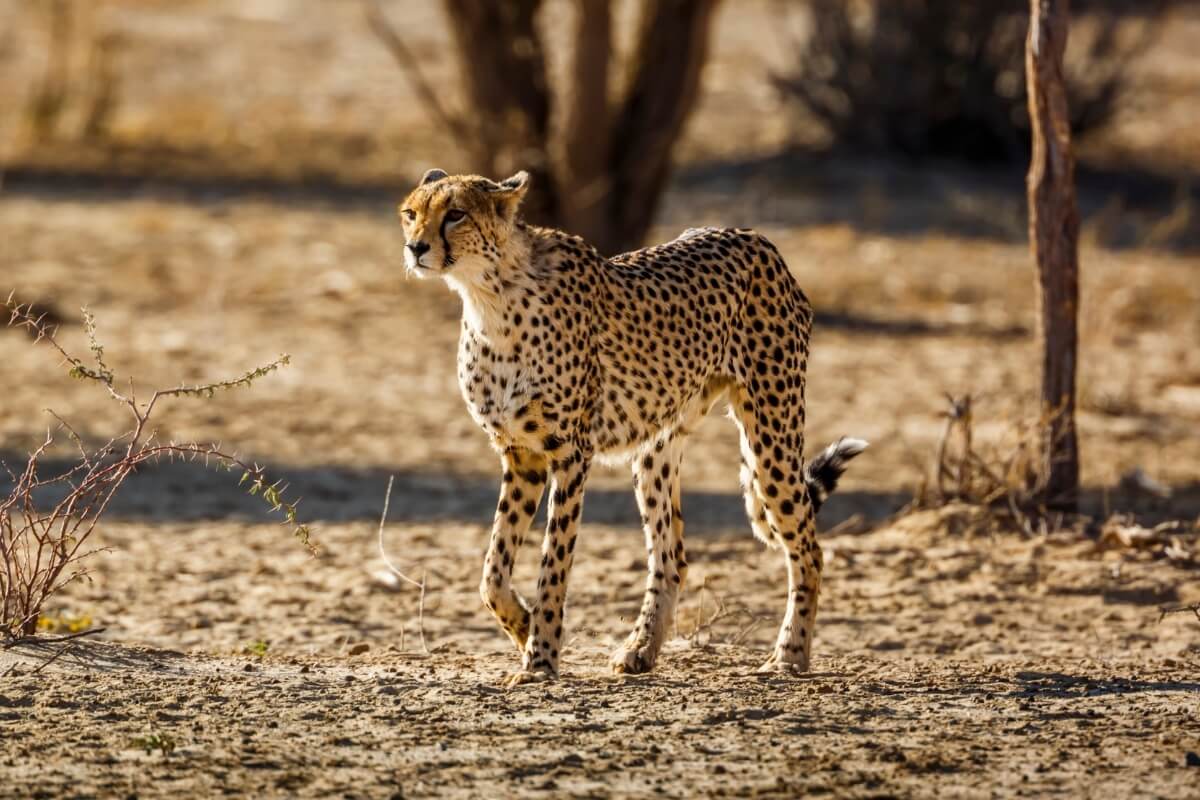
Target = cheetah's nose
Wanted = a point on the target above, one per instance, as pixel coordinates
(418, 248)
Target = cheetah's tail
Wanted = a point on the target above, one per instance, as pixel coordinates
(822, 473)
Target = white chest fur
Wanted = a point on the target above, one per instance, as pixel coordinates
(498, 387)
(499, 383)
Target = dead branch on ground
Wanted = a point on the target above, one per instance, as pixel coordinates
(1165, 610)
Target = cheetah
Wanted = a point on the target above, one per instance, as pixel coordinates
(566, 357)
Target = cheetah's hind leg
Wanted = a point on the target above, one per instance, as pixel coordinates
(772, 443)
(656, 483)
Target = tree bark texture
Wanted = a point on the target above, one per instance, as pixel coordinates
(605, 178)
(585, 169)
(1054, 235)
(503, 66)
(672, 45)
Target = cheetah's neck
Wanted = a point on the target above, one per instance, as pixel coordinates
(488, 289)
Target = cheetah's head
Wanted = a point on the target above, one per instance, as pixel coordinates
(456, 222)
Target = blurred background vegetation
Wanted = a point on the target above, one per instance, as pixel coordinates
(216, 180)
(601, 99)
(189, 168)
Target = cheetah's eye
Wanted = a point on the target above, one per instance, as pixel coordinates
(409, 214)
(454, 215)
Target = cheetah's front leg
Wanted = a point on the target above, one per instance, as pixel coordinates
(520, 490)
(540, 661)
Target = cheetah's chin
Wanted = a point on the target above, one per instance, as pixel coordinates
(420, 271)
(416, 267)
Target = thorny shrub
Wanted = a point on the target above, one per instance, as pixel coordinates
(46, 520)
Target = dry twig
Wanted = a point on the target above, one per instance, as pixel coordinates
(41, 640)
(723, 612)
(421, 584)
(1165, 610)
(1006, 480)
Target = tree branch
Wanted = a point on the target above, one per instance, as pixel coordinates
(387, 35)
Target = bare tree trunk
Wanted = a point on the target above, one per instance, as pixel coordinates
(1053, 235)
(672, 45)
(584, 176)
(612, 171)
(501, 59)
(605, 178)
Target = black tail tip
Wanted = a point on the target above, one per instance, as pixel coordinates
(822, 473)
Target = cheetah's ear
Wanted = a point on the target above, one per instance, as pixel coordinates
(433, 175)
(516, 183)
(509, 193)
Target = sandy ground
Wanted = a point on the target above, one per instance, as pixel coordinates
(945, 666)
(946, 663)
(949, 661)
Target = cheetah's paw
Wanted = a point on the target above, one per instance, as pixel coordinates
(525, 676)
(633, 660)
(781, 662)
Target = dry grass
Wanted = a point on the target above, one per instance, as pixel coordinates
(996, 488)
(1005, 477)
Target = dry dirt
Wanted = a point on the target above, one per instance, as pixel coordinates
(946, 666)
(949, 660)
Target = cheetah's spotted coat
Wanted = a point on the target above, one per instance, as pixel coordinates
(566, 356)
